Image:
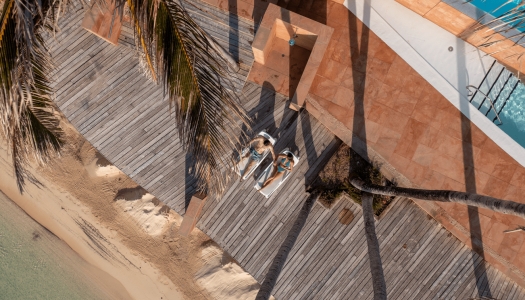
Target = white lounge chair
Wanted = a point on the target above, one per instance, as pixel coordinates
(272, 187)
(243, 161)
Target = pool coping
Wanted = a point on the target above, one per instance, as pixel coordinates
(424, 46)
(475, 13)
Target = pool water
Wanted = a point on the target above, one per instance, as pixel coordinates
(491, 7)
(513, 115)
(512, 111)
(510, 102)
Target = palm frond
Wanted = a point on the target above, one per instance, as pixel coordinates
(27, 115)
(195, 77)
(509, 24)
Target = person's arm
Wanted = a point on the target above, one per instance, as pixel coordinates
(255, 139)
(291, 166)
(273, 154)
(276, 160)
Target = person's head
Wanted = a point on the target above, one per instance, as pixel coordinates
(267, 143)
(290, 156)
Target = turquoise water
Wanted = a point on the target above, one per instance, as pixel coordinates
(35, 264)
(489, 6)
(513, 116)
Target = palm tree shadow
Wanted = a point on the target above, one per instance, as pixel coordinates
(480, 271)
(287, 136)
(262, 115)
(233, 23)
(359, 58)
(280, 258)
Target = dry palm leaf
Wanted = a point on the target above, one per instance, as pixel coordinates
(28, 121)
(181, 56)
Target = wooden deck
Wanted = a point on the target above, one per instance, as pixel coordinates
(102, 92)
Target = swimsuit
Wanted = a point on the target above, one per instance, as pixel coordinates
(255, 155)
(281, 169)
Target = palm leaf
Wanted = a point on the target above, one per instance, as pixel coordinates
(513, 19)
(196, 79)
(28, 120)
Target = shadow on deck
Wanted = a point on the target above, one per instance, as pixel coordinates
(103, 94)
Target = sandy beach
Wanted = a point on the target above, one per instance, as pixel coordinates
(128, 236)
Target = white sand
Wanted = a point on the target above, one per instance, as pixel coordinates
(223, 278)
(147, 212)
(120, 270)
(96, 170)
(126, 233)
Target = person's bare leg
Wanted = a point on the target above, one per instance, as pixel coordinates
(249, 165)
(272, 174)
(271, 179)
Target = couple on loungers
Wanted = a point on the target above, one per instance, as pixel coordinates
(281, 163)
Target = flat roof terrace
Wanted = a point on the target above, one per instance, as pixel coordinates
(101, 90)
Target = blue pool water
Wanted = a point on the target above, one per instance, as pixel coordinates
(513, 115)
(498, 7)
(489, 6)
(510, 102)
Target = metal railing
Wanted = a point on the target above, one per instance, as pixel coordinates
(486, 97)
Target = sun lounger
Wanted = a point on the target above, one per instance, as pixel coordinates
(243, 161)
(272, 187)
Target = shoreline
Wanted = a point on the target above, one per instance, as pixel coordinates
(57, 212)
(129, 237)
(39, 264)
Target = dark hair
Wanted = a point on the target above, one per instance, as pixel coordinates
(267, 143)
(290, 155)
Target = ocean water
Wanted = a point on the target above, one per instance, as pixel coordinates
(35, 264)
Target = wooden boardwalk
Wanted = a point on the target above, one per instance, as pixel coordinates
(102, 92)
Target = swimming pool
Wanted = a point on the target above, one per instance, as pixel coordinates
(508, 96)
(491, 7)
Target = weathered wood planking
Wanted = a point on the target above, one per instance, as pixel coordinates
(103, 93)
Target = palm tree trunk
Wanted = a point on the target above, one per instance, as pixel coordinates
(498, 205)
(278, 262)
(374, 257)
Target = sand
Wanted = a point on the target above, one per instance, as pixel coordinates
(128, 235)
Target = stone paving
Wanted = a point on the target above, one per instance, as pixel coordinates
(363, 87)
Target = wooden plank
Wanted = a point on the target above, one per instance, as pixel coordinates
(439, 277)
(395, 257)
(125, 117)
(359, 264)
(313, 248)
(349, 251)
(426, 247)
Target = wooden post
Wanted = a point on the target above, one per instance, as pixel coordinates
(192, 214)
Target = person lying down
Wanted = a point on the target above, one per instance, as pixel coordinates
(257, 146)
(283, 162)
